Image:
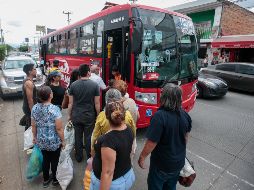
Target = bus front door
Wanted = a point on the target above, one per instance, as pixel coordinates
(115, 47)
(115, 53)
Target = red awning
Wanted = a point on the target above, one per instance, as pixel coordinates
(241, 41)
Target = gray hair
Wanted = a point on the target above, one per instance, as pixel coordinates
(171, 97)
(113, 95)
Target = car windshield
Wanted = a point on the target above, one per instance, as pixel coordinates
(16, 64)
(158, 57)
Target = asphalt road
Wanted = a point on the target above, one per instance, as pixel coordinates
(221, 146)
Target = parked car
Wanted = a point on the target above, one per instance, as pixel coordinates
(12, 75)
(238, 76)
(210, 86)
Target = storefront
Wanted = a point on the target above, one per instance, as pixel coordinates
(238, 48)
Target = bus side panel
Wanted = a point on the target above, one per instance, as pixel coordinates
(189, 93)
(68, 63)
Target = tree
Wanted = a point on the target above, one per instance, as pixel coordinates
(23, 48)
(9, 48)
(2, 52)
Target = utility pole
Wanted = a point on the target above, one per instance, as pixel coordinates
(68, 15)
(2, 40)
(1, 31)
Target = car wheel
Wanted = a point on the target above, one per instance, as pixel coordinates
(199, 92)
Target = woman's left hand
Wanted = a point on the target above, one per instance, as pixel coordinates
(63, 145)
(34, 140)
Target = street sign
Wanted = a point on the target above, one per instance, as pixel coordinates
(27, 40)
(40, 28)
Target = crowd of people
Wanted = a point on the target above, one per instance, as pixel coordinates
(107, 134)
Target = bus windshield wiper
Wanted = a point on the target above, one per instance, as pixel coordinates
(170, 79)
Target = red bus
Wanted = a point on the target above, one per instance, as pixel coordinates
(150, 47)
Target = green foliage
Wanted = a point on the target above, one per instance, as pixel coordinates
(2, 52)
(9, 48)
(23, 48)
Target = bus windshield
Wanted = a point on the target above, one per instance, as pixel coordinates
(163, 36)
(187, 47)
(158, 58)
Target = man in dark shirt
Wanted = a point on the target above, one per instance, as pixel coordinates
(29, 94)
(166, 141)
(84, 106)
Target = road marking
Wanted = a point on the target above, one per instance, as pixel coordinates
(220, 168)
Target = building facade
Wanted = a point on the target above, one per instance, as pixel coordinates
(225, 29)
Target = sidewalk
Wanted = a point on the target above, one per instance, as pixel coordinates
(13, 159)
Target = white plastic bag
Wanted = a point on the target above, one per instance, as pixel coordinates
(64, 173)
(187, 174)
(64, 153)
(187, 169)
(69, 133)
(28, 138)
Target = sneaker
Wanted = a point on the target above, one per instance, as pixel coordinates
(55, 183)
(46, 183)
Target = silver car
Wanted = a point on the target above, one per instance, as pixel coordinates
(12, 75)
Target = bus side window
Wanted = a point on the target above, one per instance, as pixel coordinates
(62, 43)
(51, 45)
(86, 45)
(100, 28)
(73, 42)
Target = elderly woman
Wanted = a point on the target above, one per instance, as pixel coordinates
(112, 168)
(47, 132)
(166, 140)
(102, 124)
(129, 103)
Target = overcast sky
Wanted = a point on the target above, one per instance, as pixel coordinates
(19, 17)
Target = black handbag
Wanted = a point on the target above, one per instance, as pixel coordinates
(25, 121)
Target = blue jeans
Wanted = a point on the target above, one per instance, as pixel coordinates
(160, 180)
(122, 183)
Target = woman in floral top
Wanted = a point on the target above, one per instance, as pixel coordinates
(47, 133)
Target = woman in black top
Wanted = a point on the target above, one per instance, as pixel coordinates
(58, 91)
(112, 164)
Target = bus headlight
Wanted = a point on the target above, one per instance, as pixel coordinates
(194, 87)
(148, 98)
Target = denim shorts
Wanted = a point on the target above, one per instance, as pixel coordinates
(122, 183)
